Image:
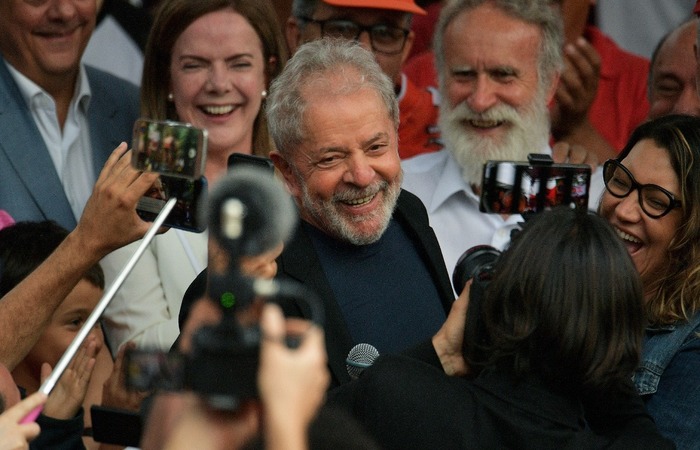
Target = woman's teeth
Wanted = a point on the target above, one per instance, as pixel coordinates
(627, 237)
(218, 110)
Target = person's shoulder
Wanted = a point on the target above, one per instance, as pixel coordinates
(424, 163)
(100, 78)
(422, 172)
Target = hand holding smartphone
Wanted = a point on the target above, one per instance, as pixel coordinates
(178, 152)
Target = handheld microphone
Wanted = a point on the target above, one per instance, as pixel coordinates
(359, 358)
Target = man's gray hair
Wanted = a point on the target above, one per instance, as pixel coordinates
(535, 12)
(333, 66)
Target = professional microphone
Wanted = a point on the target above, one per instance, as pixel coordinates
(359, 358)
(249, 212)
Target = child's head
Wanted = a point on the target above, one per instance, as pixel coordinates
(23, 247)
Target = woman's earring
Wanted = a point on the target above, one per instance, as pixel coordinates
(170, 97)
(264, 94)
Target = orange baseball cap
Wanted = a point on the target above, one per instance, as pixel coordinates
(397, 5)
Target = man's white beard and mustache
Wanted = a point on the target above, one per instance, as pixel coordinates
(347, 228)
(528, 133)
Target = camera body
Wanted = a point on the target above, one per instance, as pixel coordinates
(477, 264)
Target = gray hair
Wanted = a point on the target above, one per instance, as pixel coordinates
(321, 63)
(535, 12)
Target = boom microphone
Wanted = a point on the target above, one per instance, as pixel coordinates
(359, 358)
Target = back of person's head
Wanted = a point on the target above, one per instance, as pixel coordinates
(25, 245)
(678, 296)
(535, 12)
(172, 19)
(331, 66)
(565, 304)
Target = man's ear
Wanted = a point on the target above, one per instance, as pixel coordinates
(552, 87)
(290, 178)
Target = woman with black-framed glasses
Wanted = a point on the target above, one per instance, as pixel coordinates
(652, 199)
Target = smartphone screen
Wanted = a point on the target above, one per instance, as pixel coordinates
(170, 148)
(190, 195)
(510, 187)
(146, 370)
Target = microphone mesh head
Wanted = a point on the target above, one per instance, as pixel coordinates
(359, 358)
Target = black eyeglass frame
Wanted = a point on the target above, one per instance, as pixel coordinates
(360, 29)
(612, 164)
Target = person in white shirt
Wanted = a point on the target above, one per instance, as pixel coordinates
(498, 65)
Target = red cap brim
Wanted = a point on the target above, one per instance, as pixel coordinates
(394, 5)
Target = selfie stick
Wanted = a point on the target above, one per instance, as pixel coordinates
(92, 319)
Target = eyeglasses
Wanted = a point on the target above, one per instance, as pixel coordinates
(654, 200)
(385, 39)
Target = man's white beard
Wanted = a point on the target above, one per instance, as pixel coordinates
(528, 133)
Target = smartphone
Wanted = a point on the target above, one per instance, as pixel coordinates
(241, 159)
(190, 195)
(148, 370)
(511, 187)
(170, 148)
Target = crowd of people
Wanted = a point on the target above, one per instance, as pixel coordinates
(583, 333)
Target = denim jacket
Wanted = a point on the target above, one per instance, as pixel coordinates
(668, 379)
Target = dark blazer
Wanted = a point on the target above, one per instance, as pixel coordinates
(30, 188)
(299, 262)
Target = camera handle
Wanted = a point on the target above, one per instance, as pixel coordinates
(50, 382)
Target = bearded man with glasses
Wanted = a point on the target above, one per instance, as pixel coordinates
(383, 27)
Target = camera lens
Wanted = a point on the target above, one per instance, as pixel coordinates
(477, 263)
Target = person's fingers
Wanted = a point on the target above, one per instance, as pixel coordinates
(560, 152)
(21, 409)
(113, 158)
(45, 371)
(272, 322)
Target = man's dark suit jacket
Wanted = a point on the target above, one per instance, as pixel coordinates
(300, 262)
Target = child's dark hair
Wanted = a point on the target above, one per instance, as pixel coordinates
(25, 245)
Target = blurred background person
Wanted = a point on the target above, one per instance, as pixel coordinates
(638, 25)
(208, 63)
(672, 79)
(118, 42)
(652, 200)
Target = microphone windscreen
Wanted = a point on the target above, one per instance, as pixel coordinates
(359, 358)
(250, 212)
